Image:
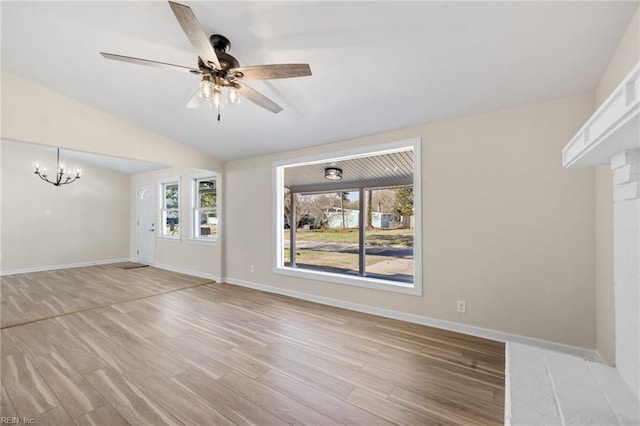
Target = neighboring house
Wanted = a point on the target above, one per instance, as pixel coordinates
(334, 218)
(382, 220)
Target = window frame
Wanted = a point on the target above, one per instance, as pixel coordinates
(195, 210)
(163, 208)
(278, 168)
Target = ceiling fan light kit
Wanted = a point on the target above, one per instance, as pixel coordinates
(222, 77)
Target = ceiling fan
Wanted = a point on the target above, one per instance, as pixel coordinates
(222, 76)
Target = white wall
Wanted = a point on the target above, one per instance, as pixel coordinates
(626, 56)
(33, 113)
(88, 220)
(183, 255)
(505, 227)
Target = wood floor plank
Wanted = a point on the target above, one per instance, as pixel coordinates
(147, 353)
(111, 353)
(105, 415)
(137, 329)
(435, 383)
(73, 323)
(132, 404)
(289, 410)
(234, 360)
(76, 352)
(233, 406)
(28, 392)
(422, 365)
(319, 379)
(6, 406)
(8, 344)
(73, 392)
(30, 340)
(55, 417)
(392, 411)
(181, 403)
(331, 354)
(195, 360)
(447, 408)
(442, 406)
(333, 407)
(330, 366)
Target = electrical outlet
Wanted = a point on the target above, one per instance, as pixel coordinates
(461, 306)
(252, 268)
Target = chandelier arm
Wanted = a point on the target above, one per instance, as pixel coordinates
(44, 178)
(71, 181)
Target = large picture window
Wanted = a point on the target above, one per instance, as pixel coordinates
(205, 208)
(352, 218)
(170, 209)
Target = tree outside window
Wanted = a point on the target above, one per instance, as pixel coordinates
(205, 209)
(170, 209)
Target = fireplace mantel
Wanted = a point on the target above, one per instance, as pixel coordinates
(614, 127)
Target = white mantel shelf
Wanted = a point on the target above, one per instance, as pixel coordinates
(617, 122)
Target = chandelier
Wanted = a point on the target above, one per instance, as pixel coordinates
(60, 178)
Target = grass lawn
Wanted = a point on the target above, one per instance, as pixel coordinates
(332, 259)
(376, 237)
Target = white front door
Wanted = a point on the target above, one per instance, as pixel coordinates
(146, 223)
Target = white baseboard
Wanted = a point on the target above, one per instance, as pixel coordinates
(199, 274)
(486, 333)
(66, 266)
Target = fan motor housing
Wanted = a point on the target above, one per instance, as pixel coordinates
(221, 45)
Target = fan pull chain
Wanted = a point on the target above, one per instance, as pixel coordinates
(218, 112)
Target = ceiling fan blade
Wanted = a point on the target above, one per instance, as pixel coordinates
(192, 28)
(267, 72)
(148, 62)
(258, 98)
(196, 101)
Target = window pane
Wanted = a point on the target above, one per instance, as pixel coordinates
(171, 223)
(327, 232)
(207, 224)
(171, 195)
(207, 193)
(389, 236)
(204, 213)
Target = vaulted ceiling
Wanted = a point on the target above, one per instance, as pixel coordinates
(376, 65)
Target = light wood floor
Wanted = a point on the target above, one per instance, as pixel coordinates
(40, 295)
(221, 354)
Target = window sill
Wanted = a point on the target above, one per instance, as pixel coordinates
(169, 239)
(204, 242)
(413, 289)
